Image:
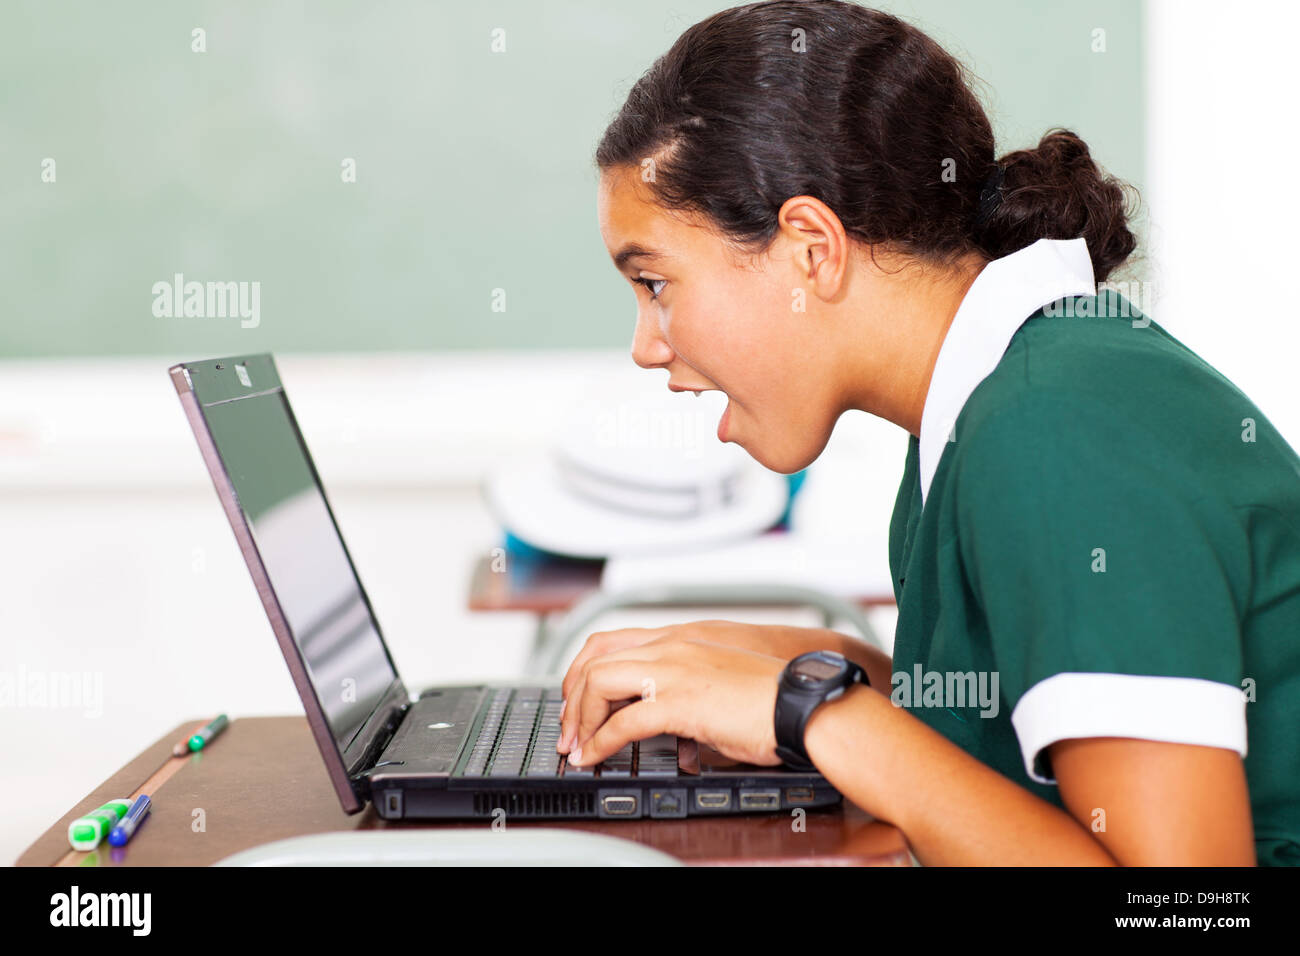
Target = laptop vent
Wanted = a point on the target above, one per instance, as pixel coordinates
(539, 804)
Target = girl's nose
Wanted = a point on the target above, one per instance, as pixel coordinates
(649, 350)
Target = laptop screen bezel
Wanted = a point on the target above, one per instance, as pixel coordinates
(200, 384)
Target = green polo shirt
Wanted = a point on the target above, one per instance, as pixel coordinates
(1110, 546)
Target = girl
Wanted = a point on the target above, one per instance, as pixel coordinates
(1096, 543)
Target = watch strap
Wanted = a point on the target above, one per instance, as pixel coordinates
(795, 707)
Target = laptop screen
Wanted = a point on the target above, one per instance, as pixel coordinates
(304, 556)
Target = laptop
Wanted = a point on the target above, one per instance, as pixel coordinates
(448, 752)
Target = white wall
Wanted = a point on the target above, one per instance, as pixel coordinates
(1222, 145)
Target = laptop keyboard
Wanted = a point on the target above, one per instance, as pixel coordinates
(522, 727)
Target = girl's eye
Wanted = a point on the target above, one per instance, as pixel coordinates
(648, 283)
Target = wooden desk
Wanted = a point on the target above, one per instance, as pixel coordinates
(263, 780)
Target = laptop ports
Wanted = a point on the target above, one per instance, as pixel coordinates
(620, 805)
(713, 799)
(760, 799)
(798, 794)
(668, 803)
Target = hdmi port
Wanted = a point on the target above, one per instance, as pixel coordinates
(760, 800)
(619, 806)
(712, 799)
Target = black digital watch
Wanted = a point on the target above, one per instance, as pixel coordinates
(807, 682)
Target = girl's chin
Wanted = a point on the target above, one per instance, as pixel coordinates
(788, 461)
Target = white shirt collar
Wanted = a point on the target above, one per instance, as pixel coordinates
(1005, 293)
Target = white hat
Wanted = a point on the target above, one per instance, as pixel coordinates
(639, 475)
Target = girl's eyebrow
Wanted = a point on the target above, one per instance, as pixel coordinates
(633, 251)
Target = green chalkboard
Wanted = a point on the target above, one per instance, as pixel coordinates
(473, 168)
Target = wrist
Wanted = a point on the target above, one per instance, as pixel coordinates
(819, 730)
(793, 641)
(800, 640)
(846, 739)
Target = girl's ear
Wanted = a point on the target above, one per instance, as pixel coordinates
(822, 244)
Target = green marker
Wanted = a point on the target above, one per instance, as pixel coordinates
(84, 833)
(208, 732)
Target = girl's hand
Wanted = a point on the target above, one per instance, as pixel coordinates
(770, 639)
(716, 694)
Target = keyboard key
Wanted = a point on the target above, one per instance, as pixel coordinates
(619, 764)
(660, 744)
(657, 756)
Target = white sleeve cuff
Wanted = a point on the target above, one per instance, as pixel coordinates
(1181, 710)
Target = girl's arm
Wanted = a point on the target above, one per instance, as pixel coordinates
(1163, 804)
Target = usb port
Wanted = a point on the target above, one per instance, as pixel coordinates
(799, 794)
(760, 799)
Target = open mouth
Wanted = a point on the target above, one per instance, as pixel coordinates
(726, 415)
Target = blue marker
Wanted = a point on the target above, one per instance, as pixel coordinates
(134, 817)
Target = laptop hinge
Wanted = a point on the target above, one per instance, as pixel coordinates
(377, 732)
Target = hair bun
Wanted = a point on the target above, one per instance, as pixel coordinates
(1057, 191)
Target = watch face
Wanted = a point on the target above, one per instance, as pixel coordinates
(815, 671)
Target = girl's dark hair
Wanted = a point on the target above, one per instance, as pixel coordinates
(765, 101)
